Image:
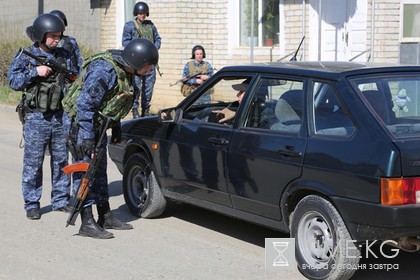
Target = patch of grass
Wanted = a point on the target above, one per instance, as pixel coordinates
(8, 96)
(9, 47)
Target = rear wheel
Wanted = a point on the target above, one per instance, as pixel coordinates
(323, 245)
(141, 190)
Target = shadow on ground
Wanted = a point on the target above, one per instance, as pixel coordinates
(373, 264)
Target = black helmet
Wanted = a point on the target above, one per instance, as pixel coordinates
(61, 15)
(139, 53)
(30, 33)
(141, 7)
(46, 23)
(197, 47)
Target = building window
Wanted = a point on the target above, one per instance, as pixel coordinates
(411, 20)
(263, 20)
(128, 9)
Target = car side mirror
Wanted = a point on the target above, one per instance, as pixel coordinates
(170, 115)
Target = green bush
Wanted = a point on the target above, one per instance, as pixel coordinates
(9, 49)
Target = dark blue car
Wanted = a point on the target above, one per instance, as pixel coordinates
(326, 151)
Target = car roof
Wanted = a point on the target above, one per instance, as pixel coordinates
(321, 69)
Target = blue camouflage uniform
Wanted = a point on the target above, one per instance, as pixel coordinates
(41, 130)
(70, 45)
(145, 83)
(99, 80)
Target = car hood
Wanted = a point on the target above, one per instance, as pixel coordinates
(141, 127)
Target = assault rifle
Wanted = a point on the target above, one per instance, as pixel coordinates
(183, 80)
(89, 176)
(294, 56)
(53, 64)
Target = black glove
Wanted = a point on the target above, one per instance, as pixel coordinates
(88, 146)
(116, 134)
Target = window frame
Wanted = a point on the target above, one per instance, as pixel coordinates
(402, 21)
(260, 25)
(312, 118)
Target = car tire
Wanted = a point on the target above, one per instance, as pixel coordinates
(142, 193)
(323, 245)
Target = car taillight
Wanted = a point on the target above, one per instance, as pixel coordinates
(397, 191)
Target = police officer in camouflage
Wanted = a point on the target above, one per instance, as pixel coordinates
(105, 80)
(43, 89)
(142, 28)
(69, 43)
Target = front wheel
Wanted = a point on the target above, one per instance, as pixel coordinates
(324, 249)
(142, 193)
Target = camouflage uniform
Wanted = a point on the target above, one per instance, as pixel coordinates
(42, 129)
(104, 87)
(145, 83)
(70, 45)
(99, 83)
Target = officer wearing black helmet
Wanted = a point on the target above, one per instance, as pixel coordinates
(106, 76)
(197, 65)
(140, 27)
(69, 43)
(43, 89)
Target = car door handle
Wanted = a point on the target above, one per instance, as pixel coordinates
(218, 141)
(289, 152)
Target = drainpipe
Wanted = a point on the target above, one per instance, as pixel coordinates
(319, 29)
(372, 31)
(40, 7)
(303, 26)
(251, 47)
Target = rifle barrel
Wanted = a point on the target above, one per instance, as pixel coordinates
(52, 64)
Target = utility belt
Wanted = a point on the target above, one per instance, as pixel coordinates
(29, 110)
(23, 109)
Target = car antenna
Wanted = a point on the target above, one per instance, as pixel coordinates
(294, 56)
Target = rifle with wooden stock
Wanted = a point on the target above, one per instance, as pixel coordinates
(183, 80)
(89, 176)
(53, 64)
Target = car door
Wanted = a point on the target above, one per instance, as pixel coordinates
(196, 145)
(266, 152)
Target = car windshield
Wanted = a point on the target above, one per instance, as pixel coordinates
(395, 101)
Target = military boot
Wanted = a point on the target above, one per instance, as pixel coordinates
(90, 228)
(135, 113)
(107, 220)
(145, 112)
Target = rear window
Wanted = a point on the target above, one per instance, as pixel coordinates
(395, 101)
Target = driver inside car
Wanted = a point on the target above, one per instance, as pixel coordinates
(227, 114)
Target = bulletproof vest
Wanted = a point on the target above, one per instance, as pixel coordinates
(144, 30)
(116, 104)
(44, 94)
(187, 89)
(202, 68)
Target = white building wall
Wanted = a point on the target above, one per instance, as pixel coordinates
(185, 23)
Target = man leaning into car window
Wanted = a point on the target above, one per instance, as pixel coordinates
(227, 114)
